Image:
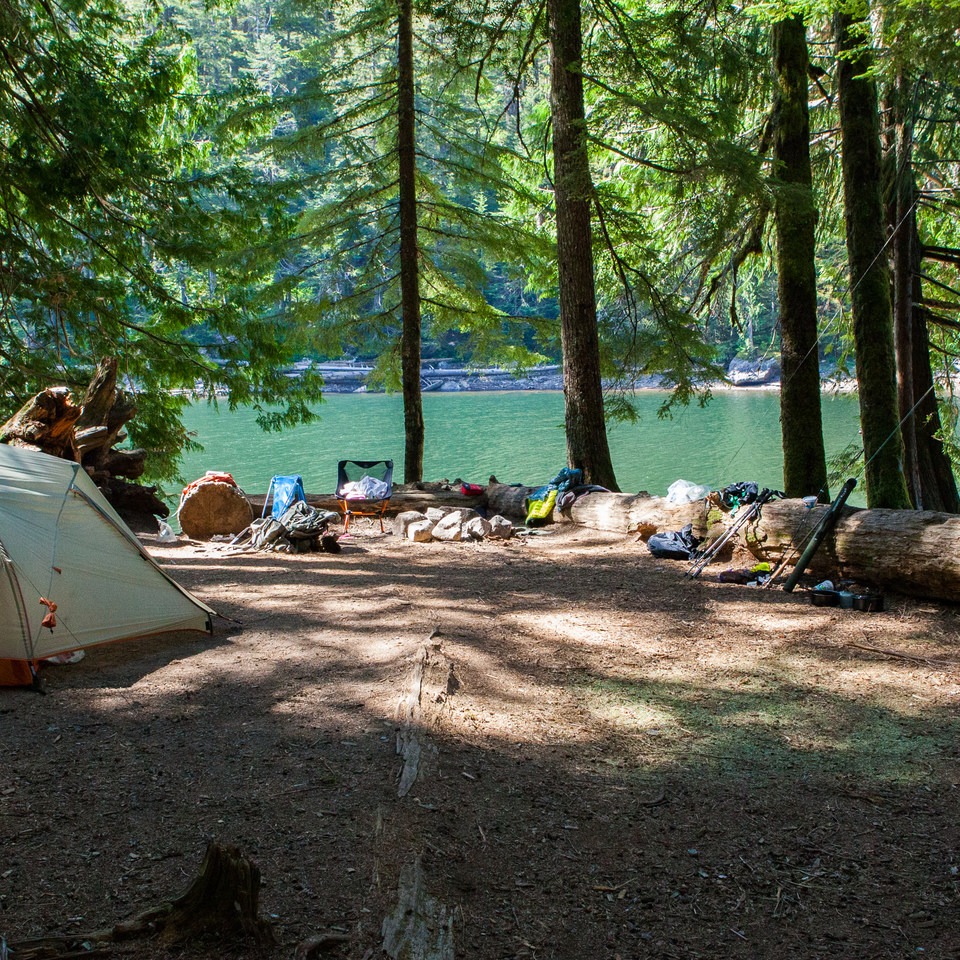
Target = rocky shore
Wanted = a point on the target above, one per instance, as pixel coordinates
(443, 377)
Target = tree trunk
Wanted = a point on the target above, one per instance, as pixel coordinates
(801, 422)
(409, 249)
(937, 479)
(586, 430)
(928, 470)
(900, 207)
(869, 275)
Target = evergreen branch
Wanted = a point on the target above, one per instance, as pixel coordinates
(947, 322)
(938, 283)
(652, 164)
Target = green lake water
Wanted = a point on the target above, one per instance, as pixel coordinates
(516, 436)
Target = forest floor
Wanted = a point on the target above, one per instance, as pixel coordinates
(615, 761)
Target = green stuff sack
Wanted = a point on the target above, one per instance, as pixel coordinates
(539, 512)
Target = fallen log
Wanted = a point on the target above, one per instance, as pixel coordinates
(908, 551)
(404, 499)
(616, 512)
(915, 552)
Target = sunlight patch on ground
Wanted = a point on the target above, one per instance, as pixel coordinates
(769, 733)
(580, 626)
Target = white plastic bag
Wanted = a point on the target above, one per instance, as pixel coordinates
(683, 491)
(166, 534)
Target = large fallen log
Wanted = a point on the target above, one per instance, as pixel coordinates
(909, 551)
(402, 499)
(617, 512)
(915, 552)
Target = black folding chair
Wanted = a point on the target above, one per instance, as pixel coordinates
(364, 488)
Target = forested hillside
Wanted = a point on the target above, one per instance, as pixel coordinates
(217, 192)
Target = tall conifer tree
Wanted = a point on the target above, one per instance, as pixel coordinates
(869, 273)
(801, 422)
(587, 447)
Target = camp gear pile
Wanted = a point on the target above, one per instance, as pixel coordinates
(300, 529)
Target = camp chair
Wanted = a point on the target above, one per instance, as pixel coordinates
(286, 491)
(364, 488)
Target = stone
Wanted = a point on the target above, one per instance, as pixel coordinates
(752, 373)
(421, 531)
(476, 528)
(403, 520)
(449, 528)
(438, 513)
(500, 528)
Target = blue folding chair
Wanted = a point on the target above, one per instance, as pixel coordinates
(285, 491)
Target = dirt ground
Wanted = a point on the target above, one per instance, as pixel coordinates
(614, 761)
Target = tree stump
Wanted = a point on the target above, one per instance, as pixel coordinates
(214, 508)
(223, 900)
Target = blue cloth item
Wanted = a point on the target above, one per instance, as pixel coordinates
(568, 477)
(286, 492)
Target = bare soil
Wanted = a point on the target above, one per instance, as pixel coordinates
(615, 761)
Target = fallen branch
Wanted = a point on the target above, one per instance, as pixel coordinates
(897, 655)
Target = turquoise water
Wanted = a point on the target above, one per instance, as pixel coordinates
(517, 436)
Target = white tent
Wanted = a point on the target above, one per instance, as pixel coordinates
(61, 541)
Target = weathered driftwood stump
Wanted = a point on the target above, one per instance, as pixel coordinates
(86, 434)
(214, 508)
(45, 423)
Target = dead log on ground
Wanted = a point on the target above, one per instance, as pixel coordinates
(908, 551)
(915, 552)
(617, 512)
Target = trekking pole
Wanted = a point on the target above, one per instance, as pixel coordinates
(700, 562)
(826, 524)
(697, 566)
